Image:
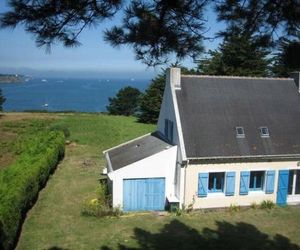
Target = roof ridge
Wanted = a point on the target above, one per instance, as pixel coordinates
(239, 77)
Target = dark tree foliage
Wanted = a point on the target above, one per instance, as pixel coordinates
(2, 100)
(287, 59)
(238, 55)
(125, 102)
(155, 29)
(150, 102)
(213, 65)
(58, 20)
(158, 29)
(266, 19)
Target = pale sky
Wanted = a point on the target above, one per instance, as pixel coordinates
(19, 54)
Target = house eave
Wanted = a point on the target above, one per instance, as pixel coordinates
(109, 166)
(237, 159)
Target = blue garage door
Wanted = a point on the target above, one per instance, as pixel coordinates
(144, 194)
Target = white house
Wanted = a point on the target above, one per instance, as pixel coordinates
(219, 141)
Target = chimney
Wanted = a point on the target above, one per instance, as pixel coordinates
(296, 76)
(174, 77)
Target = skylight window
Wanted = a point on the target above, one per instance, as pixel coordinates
(264, 132)
(240, 133)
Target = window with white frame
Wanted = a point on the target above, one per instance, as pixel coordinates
(257, 179)
(294, 182)
(169, 130)
(216, 182)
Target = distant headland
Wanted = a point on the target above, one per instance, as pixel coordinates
(10, 78)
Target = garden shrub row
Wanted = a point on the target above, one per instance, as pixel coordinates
(21, 181)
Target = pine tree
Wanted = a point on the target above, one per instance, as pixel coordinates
(150, 102)
(155, 30)
(125, 102)
(238, 55)
(212, 65)
(267, 21)
(287, 59)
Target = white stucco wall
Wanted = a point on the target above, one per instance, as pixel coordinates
(169, 110)
(161, 164)
(214, 200)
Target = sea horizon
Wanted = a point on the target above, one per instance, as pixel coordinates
(64, 94)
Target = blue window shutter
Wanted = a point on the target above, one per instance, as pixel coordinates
(166, 128)
(230, 183)
(270, 182)
(202, 184)
(244, 182)
(171, 131)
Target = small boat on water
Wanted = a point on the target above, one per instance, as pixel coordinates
(44, 80)
(45, 105)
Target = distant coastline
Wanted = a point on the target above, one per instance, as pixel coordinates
(10, 78)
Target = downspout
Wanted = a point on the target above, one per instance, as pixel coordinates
(185, 164)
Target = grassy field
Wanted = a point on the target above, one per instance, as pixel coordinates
(55, 221)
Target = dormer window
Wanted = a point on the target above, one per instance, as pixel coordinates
(240, 133)
(264, 132)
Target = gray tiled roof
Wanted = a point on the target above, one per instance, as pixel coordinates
(136, 150)
(210, 108)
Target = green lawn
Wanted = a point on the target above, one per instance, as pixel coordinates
(55, 221)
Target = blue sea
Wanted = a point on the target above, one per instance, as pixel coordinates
(53, 94)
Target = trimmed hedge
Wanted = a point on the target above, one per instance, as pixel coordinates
(21, 181)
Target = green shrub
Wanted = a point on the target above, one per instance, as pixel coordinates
(100, 206)
(62, 128)
(234, 208)
(21, 181)
(183, 210)
(254, 205)
(267, 204)
(179, 211)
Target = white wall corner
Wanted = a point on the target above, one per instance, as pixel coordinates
(296, 77)
(169, 107)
